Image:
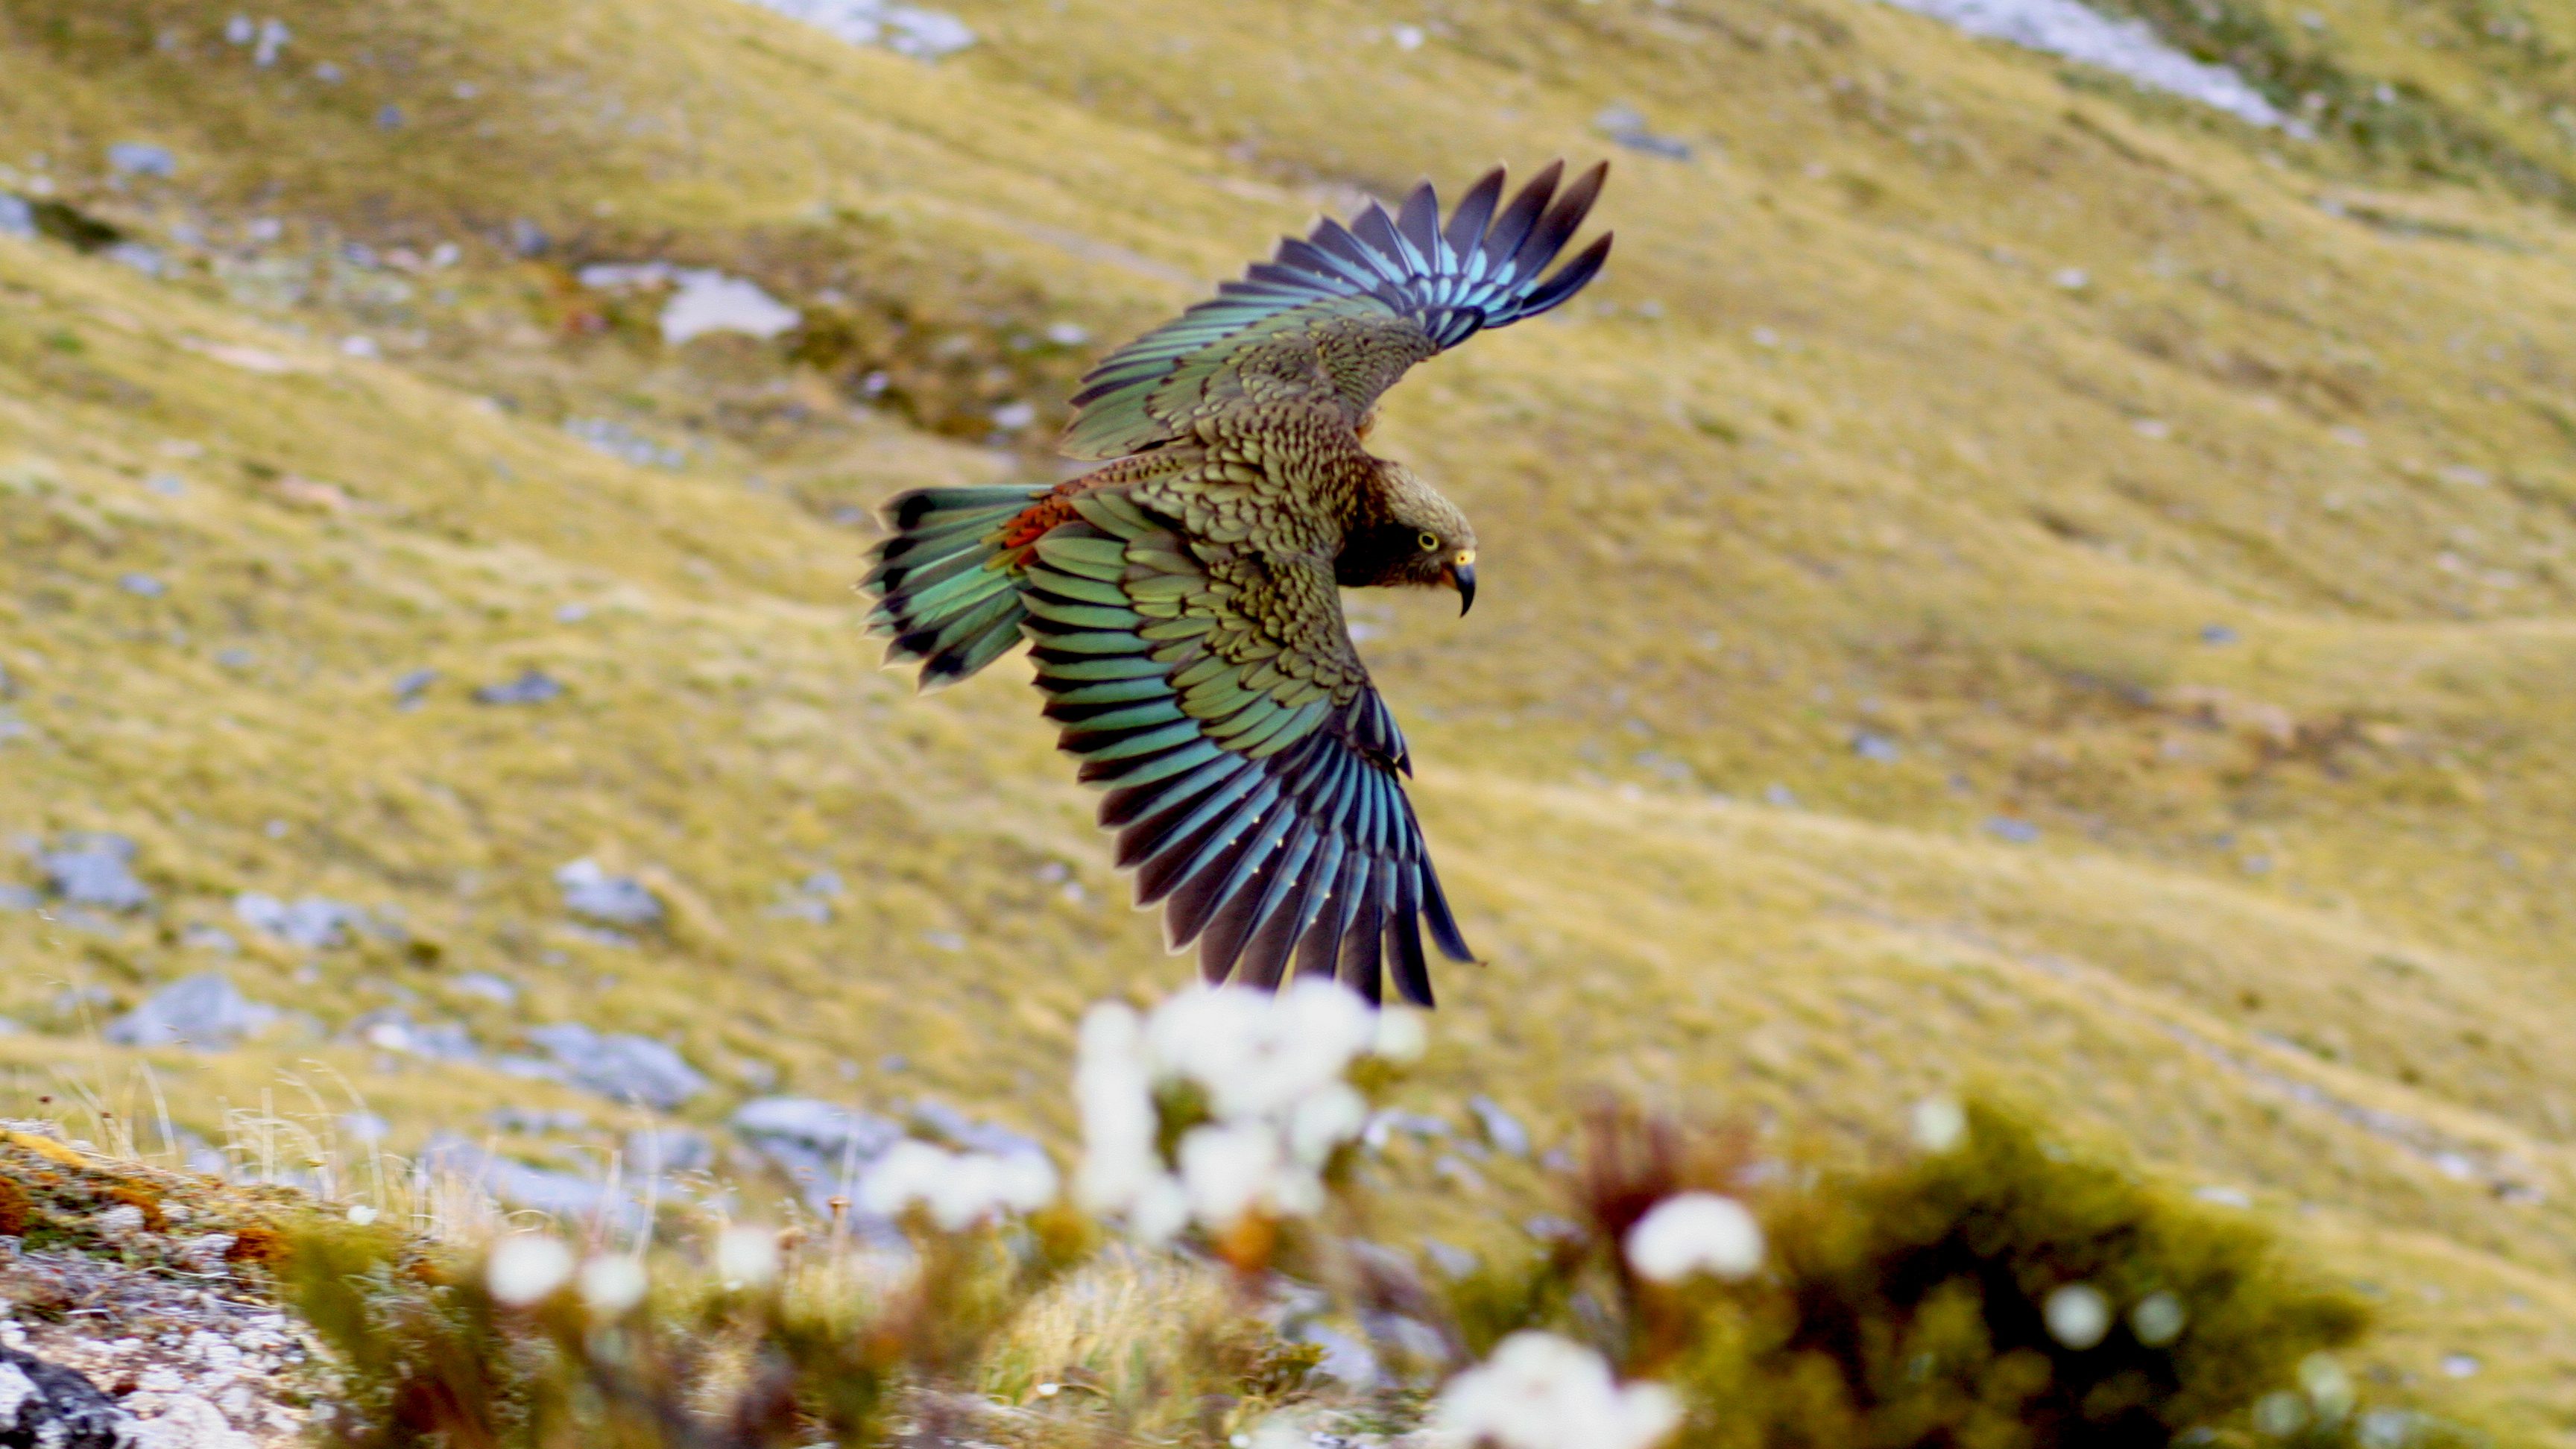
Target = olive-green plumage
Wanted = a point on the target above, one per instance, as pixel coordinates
(1184, 601)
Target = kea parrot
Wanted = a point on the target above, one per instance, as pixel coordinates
(1184, 600)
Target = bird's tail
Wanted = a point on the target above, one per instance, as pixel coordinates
(947, 580)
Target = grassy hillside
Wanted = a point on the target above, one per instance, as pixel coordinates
(2194, 496)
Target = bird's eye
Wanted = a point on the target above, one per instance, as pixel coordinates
(1430, 542)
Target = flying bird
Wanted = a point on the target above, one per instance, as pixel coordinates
(1184, 600)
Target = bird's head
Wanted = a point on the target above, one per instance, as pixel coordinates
(1418, 540)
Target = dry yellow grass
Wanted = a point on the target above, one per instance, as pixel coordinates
(1830, 449)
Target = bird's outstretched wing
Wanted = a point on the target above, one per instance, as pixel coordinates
(1252, 771)
(1344, 312)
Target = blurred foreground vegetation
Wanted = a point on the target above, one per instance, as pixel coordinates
(1913, 1303)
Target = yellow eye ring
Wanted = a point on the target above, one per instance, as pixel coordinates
(1430, 543)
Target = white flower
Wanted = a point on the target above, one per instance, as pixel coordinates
(1269, 1067)
(1400, 1037)
(1540, 1391)
(1939, 1125)
(1018, 1182)
(1159, 1211)
(746, 1257)
(960, 1189)
(611, 1285)
(1330, 1017)
(2078, 1315)
(527, 1268)
(362, 1215)
(1695, 1232)
(1256, 1053)
(1229, 1169)
(1325, 1121)
(909, 1172)
(1115, 1094)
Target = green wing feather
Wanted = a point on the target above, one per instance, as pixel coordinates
(1253, 773)
(1340, 315)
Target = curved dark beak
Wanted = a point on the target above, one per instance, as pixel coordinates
(1464, 576)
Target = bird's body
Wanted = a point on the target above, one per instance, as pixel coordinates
(1184, 599)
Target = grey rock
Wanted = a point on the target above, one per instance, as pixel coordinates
(17, 218)
(1384, 1125)
(562, 1194)
(903, 29)
(95, 869)
(821, 1126)
(1503, 1131)
(1548, 1228)
(19, 898)
(1668, 147)
(412, 685)
(822, 1148)
(533, 1069)
(2005, 827)
(1875, 747)
(938, 1119)
(653, 1151)
(1626, 127)
(205, 1011)
(2217, 634)
(623, 1067)
(599, 936)
(484, 984)
(1346, 1357)
(47, 1406)
(535, 686)
(142, 158)
(210, 938)
(141, 258)
(392, 1029)
(315, 922)
(1452, 1261)
(617, 440)
(536, 1119)
(617, 900)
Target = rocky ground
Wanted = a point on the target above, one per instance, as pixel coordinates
(152, 1286)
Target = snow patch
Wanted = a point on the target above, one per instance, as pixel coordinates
(702, 300)
(903, 29)
(2130, 47)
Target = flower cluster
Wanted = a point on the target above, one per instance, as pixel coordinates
(1269, 1071)
(957, 1189)
(1539, 1391)
(1692, 1233)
